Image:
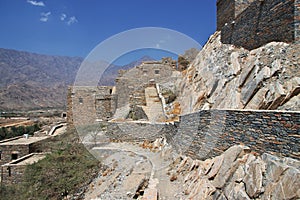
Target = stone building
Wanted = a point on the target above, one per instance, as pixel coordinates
(16, 153)
(87, 105)
(15, 148)
(12, 172)
(253, 23)
(131, 84)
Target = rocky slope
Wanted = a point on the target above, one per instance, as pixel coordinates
(238, 174)
(225, 76)
(153, 171)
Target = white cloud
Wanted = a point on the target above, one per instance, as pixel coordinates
(45, 16)
(63, 16)
(72, 20)
(36, 3)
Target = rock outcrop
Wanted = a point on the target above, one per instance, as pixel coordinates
(238, 174)
(226, 77)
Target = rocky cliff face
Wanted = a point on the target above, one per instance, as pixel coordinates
(238, 174)
(225, 76)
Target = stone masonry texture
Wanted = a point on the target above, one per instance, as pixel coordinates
(208, 133)
(251, 24)
(86, 104)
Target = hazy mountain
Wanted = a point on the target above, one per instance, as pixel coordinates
(32, 81)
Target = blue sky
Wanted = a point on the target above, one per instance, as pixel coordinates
(75, 27)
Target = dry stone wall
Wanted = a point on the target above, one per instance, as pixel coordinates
(135, 131)
(208, 133)
(251, 24)
(8, 150)
(12, 174)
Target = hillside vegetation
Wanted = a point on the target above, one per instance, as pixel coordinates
(64, 172)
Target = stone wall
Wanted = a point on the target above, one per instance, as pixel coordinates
(228, 10)
(225, 12)
(297, 20)
(12, 173)
(251, 24)
(105, 104)
(208, 133)
(135, 131)
(8, 150)
(22, 149)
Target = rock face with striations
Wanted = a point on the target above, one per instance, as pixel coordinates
(239, 174)
(227, 77)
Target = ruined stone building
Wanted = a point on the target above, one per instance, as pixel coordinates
(16, 153)
(131, 85)
(12, 172)
(15, 148)
(253, 23)
(87, 105)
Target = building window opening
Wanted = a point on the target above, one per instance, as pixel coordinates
(156, 71)
(0, 155)
(14, 156)
(80, 100)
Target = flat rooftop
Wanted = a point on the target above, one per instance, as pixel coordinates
(22, 140)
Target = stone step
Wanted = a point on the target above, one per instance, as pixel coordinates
(153, 108)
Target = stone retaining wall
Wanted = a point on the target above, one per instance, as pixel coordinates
(135, 131)
(208, 133)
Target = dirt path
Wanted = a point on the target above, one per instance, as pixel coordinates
(134, 172)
